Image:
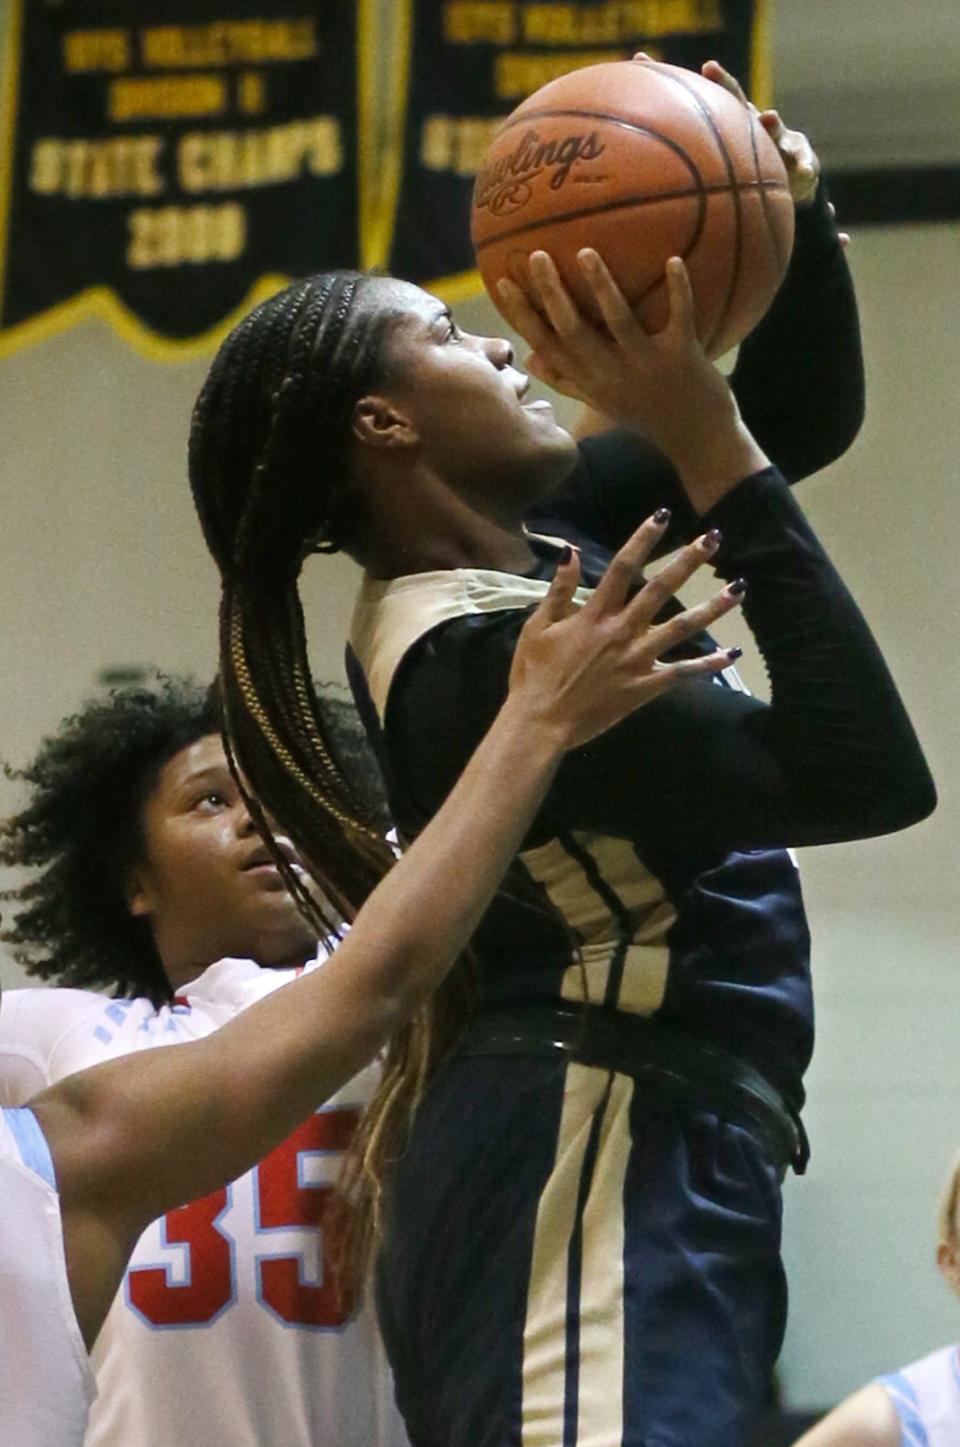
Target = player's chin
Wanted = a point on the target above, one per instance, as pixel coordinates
(554, 454)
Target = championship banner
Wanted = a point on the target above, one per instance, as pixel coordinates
(465, 64)
(167, 163)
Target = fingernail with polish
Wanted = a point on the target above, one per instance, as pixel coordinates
(738, 587)
(734, 653)
(566, 555)
(662, 516)
(712, 539)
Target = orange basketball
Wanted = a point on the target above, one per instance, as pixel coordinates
(642, 161)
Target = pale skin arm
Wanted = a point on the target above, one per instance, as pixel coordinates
(134, 1138)
(867, 1419)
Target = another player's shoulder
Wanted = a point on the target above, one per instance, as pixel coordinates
(926, 1394)
(607, 460)
(41, 1016)
(941, 1365)
(35, 1024)
(867, 1419)
(613, 448)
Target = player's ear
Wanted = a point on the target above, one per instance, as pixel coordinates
(378, 422)
(949, 1265)
(137, 892)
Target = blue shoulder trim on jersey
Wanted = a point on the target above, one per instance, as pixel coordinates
(31, 1142)
(912, 1431)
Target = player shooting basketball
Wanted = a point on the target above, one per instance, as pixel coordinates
(582, 1146)
(92, 1160)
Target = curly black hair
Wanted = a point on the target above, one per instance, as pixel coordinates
(81, 832)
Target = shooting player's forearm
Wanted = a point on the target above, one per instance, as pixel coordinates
(836, 725)
(712, 469)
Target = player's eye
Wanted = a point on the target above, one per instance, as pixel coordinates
(211, 800)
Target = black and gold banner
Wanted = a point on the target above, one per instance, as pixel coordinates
(165, 164)
(466, 65)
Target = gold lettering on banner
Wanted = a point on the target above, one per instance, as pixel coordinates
(518, 73)
(617, 22)
(472, 22)
(166, 97)
(90, 50)
(97, 170)
(251, 92)
(457, 143)
(232, 160)
(185, 235)
(228, 42)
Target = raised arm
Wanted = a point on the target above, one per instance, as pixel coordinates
(134, 1137)
(833, 755)
(798, 380)
(798, 383)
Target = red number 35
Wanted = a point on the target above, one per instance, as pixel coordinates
(282, 1201)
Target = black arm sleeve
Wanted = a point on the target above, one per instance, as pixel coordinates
(798, 382)
(799, 374)
(833, 755)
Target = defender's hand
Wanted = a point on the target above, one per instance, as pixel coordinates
(581, 668)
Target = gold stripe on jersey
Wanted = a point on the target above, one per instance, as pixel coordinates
(599, 1343)
(647, 916)
(390, 616)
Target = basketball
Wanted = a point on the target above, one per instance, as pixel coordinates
(642, 161)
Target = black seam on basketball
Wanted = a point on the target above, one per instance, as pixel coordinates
(754, 151)
(647, 199)
(714, 129)
(767, 215)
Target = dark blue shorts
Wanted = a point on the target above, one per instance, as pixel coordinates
(570, 1262)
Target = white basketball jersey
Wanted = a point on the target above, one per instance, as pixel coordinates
(226, 1330)
(46, 1385)
(926, 1395)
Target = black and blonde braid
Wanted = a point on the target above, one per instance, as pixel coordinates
(267, 467)
(269, 481)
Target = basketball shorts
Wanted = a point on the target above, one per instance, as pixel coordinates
(571, 1261)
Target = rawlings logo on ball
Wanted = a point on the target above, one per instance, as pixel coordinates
(504, 185)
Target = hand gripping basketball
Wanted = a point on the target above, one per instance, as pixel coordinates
(663, 385)
(641, 161)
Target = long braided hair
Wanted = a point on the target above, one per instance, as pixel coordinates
(270, 481)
